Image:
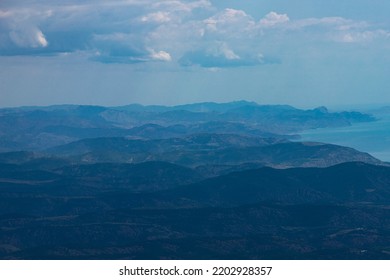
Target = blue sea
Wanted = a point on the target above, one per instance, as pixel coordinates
(371, 137)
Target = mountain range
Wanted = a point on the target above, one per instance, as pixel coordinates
(38, 128)
(195, 181)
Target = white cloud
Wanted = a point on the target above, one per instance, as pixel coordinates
(227, 52)
(40, 38)
(339, 29)
(29, 38)
(123, 29)
(359, 37)
(232, 14)
(160, 56)
(273, 19)
(158, 17)
(177, 5)
(328, 22)
(230, 20)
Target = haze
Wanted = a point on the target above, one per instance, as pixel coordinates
(302, 53)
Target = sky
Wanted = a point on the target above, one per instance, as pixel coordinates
(305, 53)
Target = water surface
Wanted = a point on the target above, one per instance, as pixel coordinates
(371, 137)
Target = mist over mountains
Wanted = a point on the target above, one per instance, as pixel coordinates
(196, 181)
(38, 128)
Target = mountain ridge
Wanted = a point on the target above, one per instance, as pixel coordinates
(37, 128)
(265, 213)
(200, 150)
(194, 181)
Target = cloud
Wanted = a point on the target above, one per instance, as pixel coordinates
(273, 19)
(189, 32)
(182, 6)
(125, 48)
(30, 38)
(120, 29)
(364, 36)
(326, 24)
(118, 48)
(205, 60)
(158, 17)
(160, 56)
(229, 21)
(223, 57)
(41, 39)
(228, 53)
(341, 30)
(5, 14)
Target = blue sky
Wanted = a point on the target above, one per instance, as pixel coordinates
(303, 53)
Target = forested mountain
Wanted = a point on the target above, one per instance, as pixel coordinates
(158, 211)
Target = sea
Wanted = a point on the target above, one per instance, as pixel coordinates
(371, 137)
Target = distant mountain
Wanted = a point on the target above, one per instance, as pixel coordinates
(211, 149)
(196, 107)
(38, 128)
(268, 118)
(35, 128)
(196, 142)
